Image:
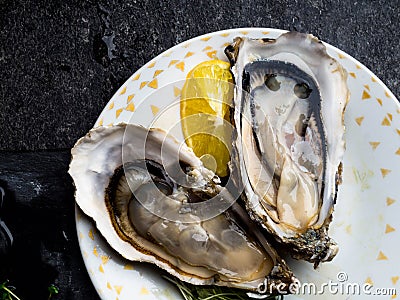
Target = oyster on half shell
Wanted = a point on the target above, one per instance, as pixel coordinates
(289, 137)
(149, 196)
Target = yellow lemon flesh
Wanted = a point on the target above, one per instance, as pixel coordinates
(205, 103)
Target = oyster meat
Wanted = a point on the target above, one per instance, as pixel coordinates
(150, 198)
(289, 107)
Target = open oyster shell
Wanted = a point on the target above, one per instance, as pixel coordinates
(141, 187)
(289, 137)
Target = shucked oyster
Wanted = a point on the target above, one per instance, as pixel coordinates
(289, 110)
(147, 195)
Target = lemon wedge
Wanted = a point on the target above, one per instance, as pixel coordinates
(206, 98)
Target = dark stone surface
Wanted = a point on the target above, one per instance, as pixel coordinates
(60, 63)
(39, 211)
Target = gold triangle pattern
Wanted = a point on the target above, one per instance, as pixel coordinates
(172, 62)
(381, 256)
(385, 122)
(100, 291)
(105, 259)
(157, 72)
(136, 77)
(189, 54)
(151, 65)
(129, 267)
(359, 120)
(369, 281)
(389, 229)
(91, 234)
(144, 291)
(143, 84)
(130, 97)
(180, 66)
(207, 48)
(153, 84)
(123, 91)
(177, 91)
(154, 109)
(389, 201)
(101, 269)
(211, 54)
(385, 172)
(130, 107)
(118, 289)
(374, 145)
(365, 95)
(118, 112)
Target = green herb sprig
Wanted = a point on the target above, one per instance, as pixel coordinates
(53, 290)
(194, 292)
(6, 292)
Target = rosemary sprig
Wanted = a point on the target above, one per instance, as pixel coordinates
(194, 292)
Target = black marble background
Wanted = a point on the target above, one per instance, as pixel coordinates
(60, 63)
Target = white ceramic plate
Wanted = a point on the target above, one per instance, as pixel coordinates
(366, 221)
